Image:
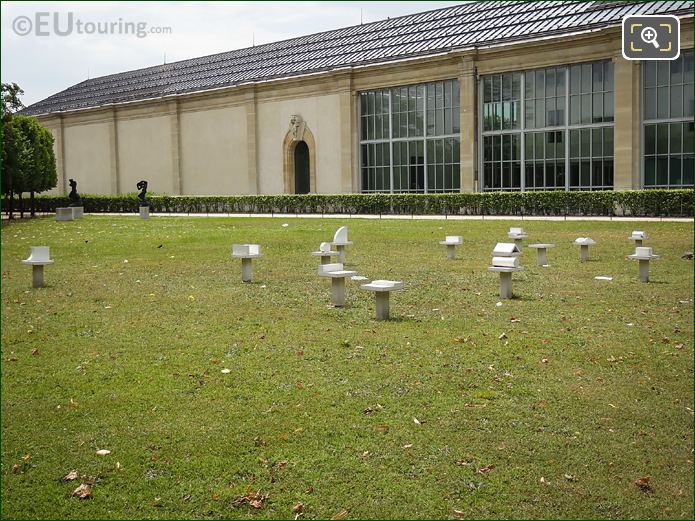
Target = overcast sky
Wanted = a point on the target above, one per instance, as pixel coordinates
(46, 63)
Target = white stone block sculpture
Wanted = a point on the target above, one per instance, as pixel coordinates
(584, 243)
(246, 252)
(451, 241)
(638, 236)
(65, 214)
(340, 241)
(337, 275)
(505, 261)
(518, 235)
(325, 252)
(382, 289)
(542, 250)
(643, 255)
(39, 257)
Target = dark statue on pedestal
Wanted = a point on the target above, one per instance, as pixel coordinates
(142, 186)
(74, 197)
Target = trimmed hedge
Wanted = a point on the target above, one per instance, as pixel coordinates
(558, 203)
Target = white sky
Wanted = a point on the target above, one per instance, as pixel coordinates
(45, 65)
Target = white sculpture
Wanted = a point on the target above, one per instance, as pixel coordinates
(65, 214)
(337, 275)
(340, 240)
(246, 252)
(451, 241)
(382, 290)
(325, 252)
(638, 236)
(643, 254)
(518, 235)
(505, 261)
(39, 257)
(542, 250)
(584, 243)
(297, 126)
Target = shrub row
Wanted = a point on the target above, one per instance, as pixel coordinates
(600, 203)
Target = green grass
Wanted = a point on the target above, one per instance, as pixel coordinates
(594, 380)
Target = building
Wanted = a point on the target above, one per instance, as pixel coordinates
(479, 96)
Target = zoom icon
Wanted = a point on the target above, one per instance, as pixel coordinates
(651, 37)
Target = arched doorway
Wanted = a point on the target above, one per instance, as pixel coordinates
(302, 180)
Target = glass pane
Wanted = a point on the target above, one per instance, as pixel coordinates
(608, 173)
(575, 79)
(574, 173)
(529, 85)
(597, 173)
(528, 176)
(550, 112)
(584, 173)
(688, 137)
(550, 82)
(496, 80)
(677, 71)
(662, 139)
(539, 145)
(550, 145)
(528, 146)
(516, 86)
(650, 139)
(529, 114)
(608, 106)
(574, 143)
(596, 142)
(559, 143)
(675, 138)
(540, 84)
(585, 143)
(608, 142)
(560, 111)
(540, 113)
(560, 81)
(649, 73)
(586, 108)
(688, 170)
(608, 75)
(674, 170)
(597, 77)
(688, 104)
(662, 72)
(677, 100)
(516, 147)
(662, 102)
(597, 114)
(586, 78)
(661, 170)
(506, 87)
(575, 110)
(687, 57)
(649, 104)
(650, 171)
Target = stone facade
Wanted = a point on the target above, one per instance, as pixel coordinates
(237, 140)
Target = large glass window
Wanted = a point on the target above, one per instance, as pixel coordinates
(531, 151)
(410, 138)
(667, 88)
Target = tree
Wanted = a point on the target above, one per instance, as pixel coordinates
(13, 146)
(39, 172)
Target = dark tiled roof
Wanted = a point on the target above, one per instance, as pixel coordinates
(462, 26)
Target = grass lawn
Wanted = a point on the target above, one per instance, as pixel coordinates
(549, 406)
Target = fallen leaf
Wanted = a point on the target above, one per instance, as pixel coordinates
(72, 475)
(297, 509)
(407, 446)
(486, 469)
(253, 499)
(259, 442)
(225, 371)
(415, 420)
(502, 336)
(340, 515)
(280, 464)
(26, 457)
(84, 491)
(103, 452)
(543, 480)
(644, 484)
(16, 469)
(157, 502)
(459, 513)
(463, 462)
(35, 351)
(570, 477)
(544, 360)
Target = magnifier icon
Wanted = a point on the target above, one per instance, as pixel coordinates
(648, 36)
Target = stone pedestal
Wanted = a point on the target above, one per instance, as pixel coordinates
(584, 252)
(77, 212)
(65, 214)
(644, 270)
(505, 285)
(340, 248)
(37, 276)
(542, 250)
(451, 251)
(338, 291)
(246, 270)
(382, 305)
(144, 212)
